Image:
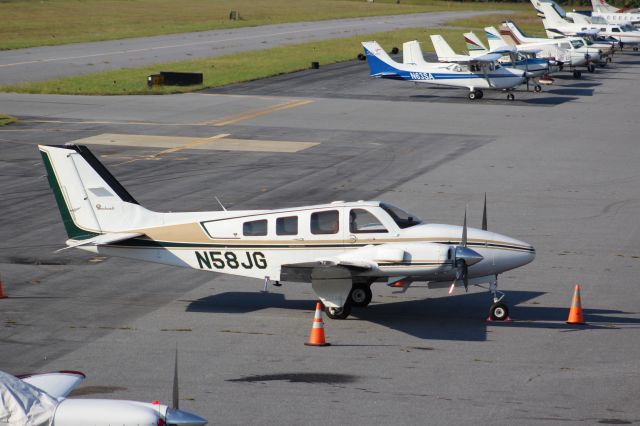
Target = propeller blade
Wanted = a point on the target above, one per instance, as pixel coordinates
(463, 243)
(175, 397)
(484, 213)
(465, 276)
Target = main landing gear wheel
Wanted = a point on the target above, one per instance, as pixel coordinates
(635, 49)
(475, 94)
(338, 313)
(499, 312)
(360, 296)
(591, 68)
(537, 88)
(510, 97)
(577, 74)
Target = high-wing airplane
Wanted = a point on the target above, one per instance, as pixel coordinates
(341, 248)
(558, 23)
(476, 74)
(574, 51)
(511, 57)
(40, 400)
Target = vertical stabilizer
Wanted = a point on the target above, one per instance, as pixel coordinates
(380, 64)
(91, 201)
(603, 7)
(498, 40)
(443, 50)
(412, 53)
(474, 44)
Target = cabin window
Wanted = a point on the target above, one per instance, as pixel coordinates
(325, 222)
(362, 221)
(287, 225)
(255, 228)
(616, 30)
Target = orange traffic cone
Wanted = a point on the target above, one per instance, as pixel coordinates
(575, 313)
(2, 295)
(316, 338)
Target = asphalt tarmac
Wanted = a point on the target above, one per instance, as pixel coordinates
(560, 169)
(46, 63)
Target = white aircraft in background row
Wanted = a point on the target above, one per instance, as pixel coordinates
(483, 72)
(558, 23)
(341, 248)
(571, 51)
(603, 11)
(511, 57)
(40, 400)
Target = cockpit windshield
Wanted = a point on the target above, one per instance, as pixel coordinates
(577, 44)
(400, 217)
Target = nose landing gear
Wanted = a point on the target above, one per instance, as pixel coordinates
(499, 311)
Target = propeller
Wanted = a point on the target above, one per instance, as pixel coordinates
(484, 213)
(463, 257)
(175, 416)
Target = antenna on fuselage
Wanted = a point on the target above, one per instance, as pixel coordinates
(484, 213)
(220, 202)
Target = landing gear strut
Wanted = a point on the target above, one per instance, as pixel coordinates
(499, 311)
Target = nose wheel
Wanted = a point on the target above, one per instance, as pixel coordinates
(499, 311)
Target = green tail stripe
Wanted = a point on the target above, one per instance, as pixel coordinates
(73, 231)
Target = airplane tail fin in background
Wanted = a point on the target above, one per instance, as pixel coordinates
(474, 44)
(603, 7)
(91, 201)
(442, 48)
(552, 15)
(497, 40)
(380, 63)
(509, 33)
(412, 53)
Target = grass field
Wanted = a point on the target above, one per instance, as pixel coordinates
(6, 119)
(229, 69)
(27, 23)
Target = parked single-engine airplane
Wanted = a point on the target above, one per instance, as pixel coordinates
(475, 74)
(510, 57)
(574, 50)
(341, 248)
(40, 400)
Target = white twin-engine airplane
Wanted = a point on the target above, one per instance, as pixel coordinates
(41, 400)
(341, 248)
(476, 74)
(603, 11)
(558, 23)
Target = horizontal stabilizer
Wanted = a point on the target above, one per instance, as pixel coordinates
(102, 239)
(57, 384)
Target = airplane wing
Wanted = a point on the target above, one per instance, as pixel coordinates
(489, 57)
(528, 49)
(57, 384)
(331, 279)
(103, 239)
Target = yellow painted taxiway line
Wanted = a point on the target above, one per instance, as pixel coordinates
(259, 112)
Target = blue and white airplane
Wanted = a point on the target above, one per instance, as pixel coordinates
(476, 74)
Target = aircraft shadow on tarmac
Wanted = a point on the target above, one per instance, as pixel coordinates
(458, 317)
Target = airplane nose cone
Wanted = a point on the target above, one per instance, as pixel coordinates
(471, 257)
(182, 418)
